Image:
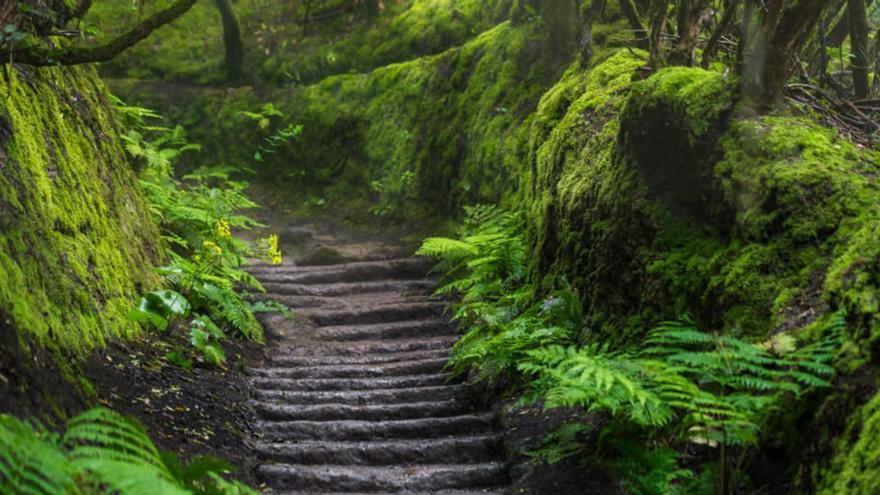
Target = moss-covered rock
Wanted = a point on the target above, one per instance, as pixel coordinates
(856, 464)
(77, 243)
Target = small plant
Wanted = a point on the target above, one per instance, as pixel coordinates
(264, 118)
(101, 452)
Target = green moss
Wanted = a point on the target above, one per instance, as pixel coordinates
(695, 96)
(76, 243)
(856, 466)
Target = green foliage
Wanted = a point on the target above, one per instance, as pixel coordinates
(680, 386)
(485, 267)
(197, 216)
(649, 471)
(101, 452)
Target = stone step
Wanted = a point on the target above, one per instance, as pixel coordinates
(376, 314)
(330, 412)
(434, 327)
(375, 346)
(400, 269)
(419, 286)
(355, 430)
(357, 397)
(413, 367)
(374, 358)
(479, 491)
(323, 384)
(301, 304)
(387, 452)
(382, 478)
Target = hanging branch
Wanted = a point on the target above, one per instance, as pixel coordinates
(42, 56)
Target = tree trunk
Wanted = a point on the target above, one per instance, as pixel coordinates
(632, 16)
(593, 13)
(234, 58)
(690, 12)
(858, 36)
(372, 7)
(787, 30)
(562, 23)
(730, 7)
(659, 9)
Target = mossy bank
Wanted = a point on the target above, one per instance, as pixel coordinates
(77, 243)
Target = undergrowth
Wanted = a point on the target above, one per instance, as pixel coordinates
(204, 277)
(680, 390)
(101, 452)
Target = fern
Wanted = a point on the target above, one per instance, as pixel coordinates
(101, 452)
(31, 462)
(197, 214)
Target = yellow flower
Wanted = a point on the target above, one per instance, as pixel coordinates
(273, 253)
(223, 229)
(212, 247)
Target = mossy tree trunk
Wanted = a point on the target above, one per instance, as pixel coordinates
(858, 35)
(234, 56)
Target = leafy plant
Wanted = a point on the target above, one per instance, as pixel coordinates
(101, 452)
(701, 388)
(681, 387)
(197, 214)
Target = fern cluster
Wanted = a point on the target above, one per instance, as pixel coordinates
(485, 267)
(101, 452)
(197, 215)
(681, 387)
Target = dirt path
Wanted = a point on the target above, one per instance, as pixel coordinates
(354, 397)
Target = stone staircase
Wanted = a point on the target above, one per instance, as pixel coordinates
(354, 397)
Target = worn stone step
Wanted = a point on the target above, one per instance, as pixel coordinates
(477, 491)
(303, 304)
(381, 313)
(466, 449)
(382, 478)
(374, 358)
(304, 384)
(433, 327)
(370, 346)
(418, 286)
(354, 430)
(331, 411)
(414, 367)
(400, 269)
(355, 397)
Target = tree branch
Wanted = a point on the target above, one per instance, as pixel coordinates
(42, 56)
